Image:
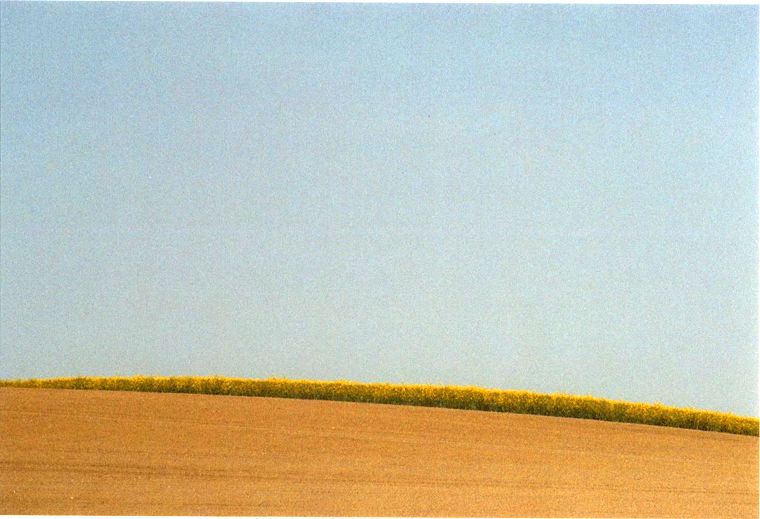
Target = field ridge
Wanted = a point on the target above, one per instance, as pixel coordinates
(453, 397)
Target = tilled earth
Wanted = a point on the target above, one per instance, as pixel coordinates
(118, 453)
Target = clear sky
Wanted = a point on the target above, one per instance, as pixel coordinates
(553, 198)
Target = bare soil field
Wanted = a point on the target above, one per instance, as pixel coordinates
(119, 453)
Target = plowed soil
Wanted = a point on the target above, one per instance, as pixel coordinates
(118, 453)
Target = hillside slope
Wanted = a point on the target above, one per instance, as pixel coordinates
(98, 452)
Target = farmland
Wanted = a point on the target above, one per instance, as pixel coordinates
(453, 397)
(129, 453)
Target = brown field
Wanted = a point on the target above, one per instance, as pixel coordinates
(118, 453)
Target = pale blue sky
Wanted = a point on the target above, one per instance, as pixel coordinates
(554, 198)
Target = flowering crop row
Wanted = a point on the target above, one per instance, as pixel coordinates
(456, 397)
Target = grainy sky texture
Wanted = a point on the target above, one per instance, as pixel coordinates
(554, 198)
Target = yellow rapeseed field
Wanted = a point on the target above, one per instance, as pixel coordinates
(456, 397)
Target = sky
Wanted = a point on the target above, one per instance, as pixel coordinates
(550, 198)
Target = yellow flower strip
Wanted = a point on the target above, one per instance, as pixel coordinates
(455, 397)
